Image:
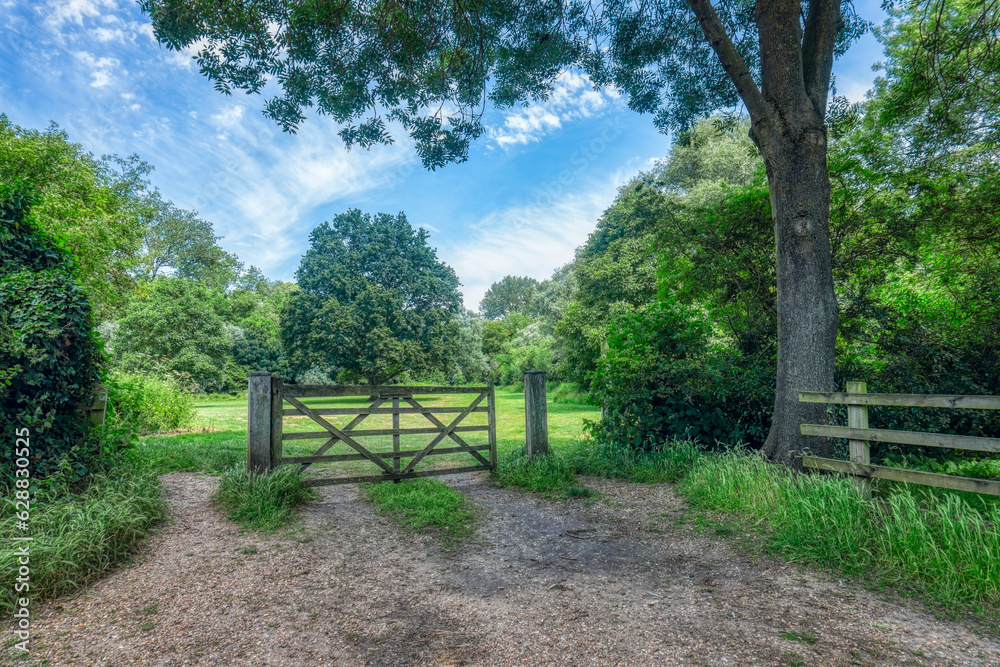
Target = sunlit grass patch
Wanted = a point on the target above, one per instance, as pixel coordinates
(424, 503)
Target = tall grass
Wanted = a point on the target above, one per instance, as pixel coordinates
(262, 502)
(148, 404)
(934, 545)
(78, 536)
(666, 462)
(551, 475)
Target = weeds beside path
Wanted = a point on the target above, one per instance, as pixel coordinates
(625, 579)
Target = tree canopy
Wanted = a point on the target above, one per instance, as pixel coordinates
(510, 294)
(374, 301)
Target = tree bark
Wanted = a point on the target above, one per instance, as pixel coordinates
(795, 155)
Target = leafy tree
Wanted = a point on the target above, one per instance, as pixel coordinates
(470, 362)
(182, 242)
(172, 327)
(510, 294)
(92, 205)
(374, 300)
(677, 60)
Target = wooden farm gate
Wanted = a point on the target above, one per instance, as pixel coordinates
(857, 399)
(266, 434)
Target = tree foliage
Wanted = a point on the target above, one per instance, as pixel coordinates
(374, 301)
(510, 294)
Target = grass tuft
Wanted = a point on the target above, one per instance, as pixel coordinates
(551, 475)
(262, 502)
(78, 536)
(424, 503)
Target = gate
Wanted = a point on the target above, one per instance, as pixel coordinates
(267, 432)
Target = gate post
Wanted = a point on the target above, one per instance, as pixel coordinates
(536, 414)
(259, 410)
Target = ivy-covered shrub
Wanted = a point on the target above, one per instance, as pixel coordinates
(147, 404)
(50, 359)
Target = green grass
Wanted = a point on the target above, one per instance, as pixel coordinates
(262, 502)
(937, 546)
(424, 503)
(80, 535)
(550, 475)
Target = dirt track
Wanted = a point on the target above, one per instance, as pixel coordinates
(625, 580)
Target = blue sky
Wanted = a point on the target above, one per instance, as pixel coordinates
(532, 189)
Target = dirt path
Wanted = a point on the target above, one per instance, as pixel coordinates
(614, 582)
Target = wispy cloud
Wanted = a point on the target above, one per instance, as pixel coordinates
(527, 240)
(572, 98)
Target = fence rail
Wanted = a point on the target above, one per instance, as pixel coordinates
(857, 399)
(266, 435)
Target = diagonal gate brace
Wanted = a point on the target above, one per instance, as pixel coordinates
(338, 434)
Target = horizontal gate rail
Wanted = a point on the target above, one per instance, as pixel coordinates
(858, 434)
(315, 435)
(333, 391)
(266, 410)
(376, 411)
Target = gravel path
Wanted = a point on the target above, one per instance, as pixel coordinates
(625, 580)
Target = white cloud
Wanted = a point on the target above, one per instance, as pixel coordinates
(264, 184)
(74, 11)
(100, 68)
(528, 240)
(572, 98)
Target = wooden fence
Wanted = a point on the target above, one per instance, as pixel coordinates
(858, 434)
(265, 428)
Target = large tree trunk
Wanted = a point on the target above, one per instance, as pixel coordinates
(795, 155)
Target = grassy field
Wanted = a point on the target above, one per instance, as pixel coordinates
(217, 437)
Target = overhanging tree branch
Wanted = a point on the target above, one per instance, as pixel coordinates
(822, 25)
(736, 68)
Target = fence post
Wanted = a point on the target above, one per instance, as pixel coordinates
(491, 421)
(536, 414)
(259, 392)
(857, 417)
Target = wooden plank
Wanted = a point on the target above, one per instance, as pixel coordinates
(334, 458)
(346, 439)
(293, 412)
(395, 434)
(354, 422)
(984, 486)
(332, 391)
(391, 476)
(276, 403)
(441, 436)
(359, 433)
(451, 434)
(259, 423)
(491, 421)
(903, 400)
(968, 442)
(99, 406)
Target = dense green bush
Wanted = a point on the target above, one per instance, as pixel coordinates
(52, 359)
(661, 380)
(147, 404)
